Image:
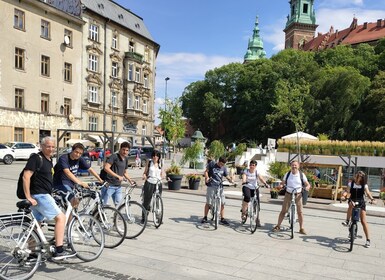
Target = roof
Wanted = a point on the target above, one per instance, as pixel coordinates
(120, 15)
(355, 34)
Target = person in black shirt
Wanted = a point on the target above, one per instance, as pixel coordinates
(37, 185)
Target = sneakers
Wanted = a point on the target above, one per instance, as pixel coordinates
(63, 255)
(276, 228)
(204, 220)
(367, 244)
(345, 223)
(302, 231)
(224, 222)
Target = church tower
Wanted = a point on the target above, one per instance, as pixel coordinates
(301, 23)
(255, 48)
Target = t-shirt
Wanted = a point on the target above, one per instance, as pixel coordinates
(251, 179)
(65, 162)
(294, 181)
(216, 173)
(42, 182)
(119, 166)
(154, 173)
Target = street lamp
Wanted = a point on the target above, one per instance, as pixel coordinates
(164, 129)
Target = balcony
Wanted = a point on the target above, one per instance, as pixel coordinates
(134, 56)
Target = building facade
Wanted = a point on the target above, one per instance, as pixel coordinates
(118, 73)
(41, 49)
(301, 23)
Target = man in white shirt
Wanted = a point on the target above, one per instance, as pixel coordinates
(294, 180)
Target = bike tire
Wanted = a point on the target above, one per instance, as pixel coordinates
(12, 268)
(157, 210)
(113, 224)
(135, 216)
(217, 205)
(84, 201)
(292, 220)
(352, 232)
(254, 216)
(86, 237)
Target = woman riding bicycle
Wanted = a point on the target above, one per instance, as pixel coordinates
(152, 174)
(249, 187)
(357, 189)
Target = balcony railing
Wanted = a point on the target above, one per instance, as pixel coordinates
(134, 56)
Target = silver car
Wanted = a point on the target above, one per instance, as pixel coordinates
(23, 150)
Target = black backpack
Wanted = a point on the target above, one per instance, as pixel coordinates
(20, 190)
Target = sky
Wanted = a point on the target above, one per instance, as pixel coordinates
(200, 35)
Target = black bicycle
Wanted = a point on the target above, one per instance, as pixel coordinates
(356, 212)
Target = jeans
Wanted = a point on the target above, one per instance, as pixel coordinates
(112, 191)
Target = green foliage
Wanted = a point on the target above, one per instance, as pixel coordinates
(278, 169)
(174, 169)
(322, 136)
(192, 153)
(216, 149)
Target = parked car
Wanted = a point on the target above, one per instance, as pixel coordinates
(23, 150)
(132, 157)
(7, 155)
(95, 153)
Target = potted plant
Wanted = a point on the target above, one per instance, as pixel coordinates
(274, 192)
(193, 181)
(174, 177)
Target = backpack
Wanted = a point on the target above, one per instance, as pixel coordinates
(20, 190)
(103, 174)
(300, 175)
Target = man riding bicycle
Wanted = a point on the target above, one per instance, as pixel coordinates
(214, 173)
(294, 180)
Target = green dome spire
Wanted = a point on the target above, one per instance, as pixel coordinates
(255, 47)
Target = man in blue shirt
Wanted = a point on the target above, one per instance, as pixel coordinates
(214, 173)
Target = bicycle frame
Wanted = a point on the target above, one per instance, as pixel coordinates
(356, 211)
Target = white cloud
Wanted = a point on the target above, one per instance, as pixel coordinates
(340, 3)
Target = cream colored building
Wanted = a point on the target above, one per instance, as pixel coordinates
(40, 66)
(119, 72)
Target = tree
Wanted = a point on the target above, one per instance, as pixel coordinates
(172, 122)
(216, 149)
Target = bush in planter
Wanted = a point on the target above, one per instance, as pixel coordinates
(174, 177)
(274, 192)
(193, 181)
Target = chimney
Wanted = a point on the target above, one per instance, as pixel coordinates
(379, 21)
(365, 25)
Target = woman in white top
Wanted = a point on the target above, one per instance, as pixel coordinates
(153, 174)
(249, 187)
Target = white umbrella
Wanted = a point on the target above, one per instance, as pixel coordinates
(84, 142)
(301, 135)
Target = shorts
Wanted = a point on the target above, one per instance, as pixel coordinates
(66, 189)
(46, 207)
(287, 201)
(210, 194)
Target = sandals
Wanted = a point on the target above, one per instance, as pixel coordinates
(276, 228)
(243, 217)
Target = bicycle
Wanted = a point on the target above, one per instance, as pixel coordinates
(253, 211)
(292, 212)
(215, 208)
(356, 211)
(156, 204)
(23, 243)
(133, 213)
(112, 221)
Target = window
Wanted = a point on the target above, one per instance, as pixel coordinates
(137, 75)
(19, 134)
(305, 8)
(137, 102)
(144, 101)
(19, 58)
(93, 62)
(67, 106)
(93, 123)
(115, 41)
(19, 98)
(68, 33)
(114, 125)
(44, 70)
(129, 100)
(114, 99)
(19, 20)
(146, 56)
(131, 46)
(144, 130)
(93, 33)
(93, 94)
(67, 72)
(66, 137)
(45, 29)
(114, 70)
(44, 103)
(145, 80)
(130, 72)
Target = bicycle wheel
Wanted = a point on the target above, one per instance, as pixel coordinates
(157, 210)
(254, 216)
(84, 202)
(85, 236)
(18, 260)
(292, 219)
(352, 233)
(135, 216)
(217, 206)
(113, 224)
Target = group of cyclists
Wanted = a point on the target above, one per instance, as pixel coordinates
(40, 178)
